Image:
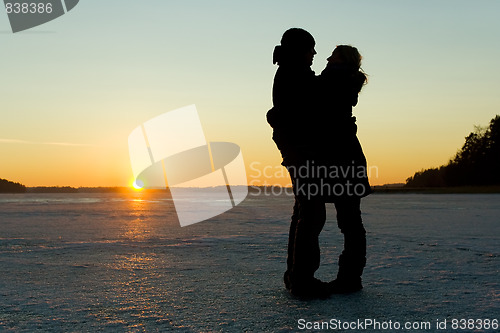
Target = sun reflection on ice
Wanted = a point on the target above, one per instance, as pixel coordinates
(138, 228)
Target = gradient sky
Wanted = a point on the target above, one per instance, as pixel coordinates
(74, 88)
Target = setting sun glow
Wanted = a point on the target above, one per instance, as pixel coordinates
(137, 185)
(72, 113)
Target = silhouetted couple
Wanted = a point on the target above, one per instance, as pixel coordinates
(315, 131)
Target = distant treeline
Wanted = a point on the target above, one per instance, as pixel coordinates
(52, 189)
(477, 163)
(7, 186)
(69, 189)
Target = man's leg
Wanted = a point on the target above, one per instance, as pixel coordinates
(291, 243)
(306, 251)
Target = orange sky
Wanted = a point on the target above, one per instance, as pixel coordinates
(74, 88)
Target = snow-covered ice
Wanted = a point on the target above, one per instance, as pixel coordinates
(121, 262)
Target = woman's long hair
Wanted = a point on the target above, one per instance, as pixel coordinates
(351, 57)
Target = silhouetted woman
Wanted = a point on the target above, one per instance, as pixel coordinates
(339, 149)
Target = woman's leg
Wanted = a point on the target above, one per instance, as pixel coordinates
(353, 257)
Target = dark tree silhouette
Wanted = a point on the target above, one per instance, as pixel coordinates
(477, 163)
(11, 187)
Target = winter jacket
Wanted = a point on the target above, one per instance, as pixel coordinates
(314, 129)
(294, 93)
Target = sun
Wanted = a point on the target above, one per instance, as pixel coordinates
(137, 185)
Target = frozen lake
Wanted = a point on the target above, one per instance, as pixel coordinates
(121, 262)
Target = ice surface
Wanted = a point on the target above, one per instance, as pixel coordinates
(121, 262)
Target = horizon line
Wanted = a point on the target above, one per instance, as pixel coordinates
(26, 142)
